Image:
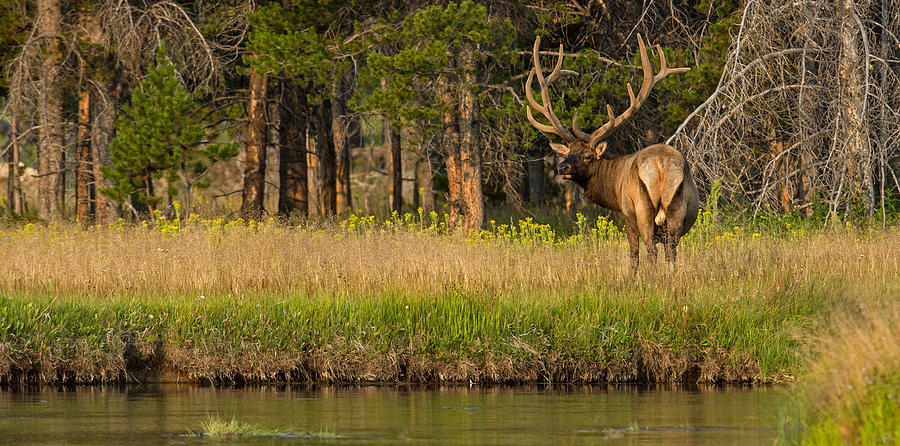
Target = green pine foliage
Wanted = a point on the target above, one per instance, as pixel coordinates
(14, 22)
(421, 50)
(683, 93)
(161, 134)
(303, 42)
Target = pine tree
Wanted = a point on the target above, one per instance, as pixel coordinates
(162, 134)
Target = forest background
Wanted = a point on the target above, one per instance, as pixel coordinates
(115, 109)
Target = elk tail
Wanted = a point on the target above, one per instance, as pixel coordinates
(670, 188)
(660, 216)
(662, 181)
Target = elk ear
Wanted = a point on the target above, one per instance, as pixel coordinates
(600, 149)
(561, 149)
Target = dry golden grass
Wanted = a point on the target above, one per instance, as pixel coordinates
(238, 260)
(849, 389)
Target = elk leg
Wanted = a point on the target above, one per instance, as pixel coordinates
(647, 230)
(671, 244)
(634, 245)
(673, 233)
(652, 252)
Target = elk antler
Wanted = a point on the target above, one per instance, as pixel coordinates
(556, 127)
(636, 101)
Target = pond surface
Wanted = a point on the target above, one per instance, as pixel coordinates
(165, 414)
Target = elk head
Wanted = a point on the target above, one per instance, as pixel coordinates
(581, 151)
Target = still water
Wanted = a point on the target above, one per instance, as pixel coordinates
(165, 414)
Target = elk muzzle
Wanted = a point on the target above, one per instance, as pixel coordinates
(564, 170)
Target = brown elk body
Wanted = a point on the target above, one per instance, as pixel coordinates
(652, 188)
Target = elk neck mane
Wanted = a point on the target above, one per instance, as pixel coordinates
(604, 184)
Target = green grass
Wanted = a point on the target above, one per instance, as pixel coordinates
(874, 419)
(610, 327)
(848, 393)
(217, 427)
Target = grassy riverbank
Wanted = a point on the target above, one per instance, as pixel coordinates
(209, 301)
(849, 391)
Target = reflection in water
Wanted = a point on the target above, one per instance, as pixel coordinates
(155, 414)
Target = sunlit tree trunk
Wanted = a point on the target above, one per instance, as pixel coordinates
(450, 145)
(470, 147)
(314, 171)
(104, 111)
(50, 130)
(83, 161)
(855, 134)
(13, 185)
(103, 116)
(342, 151)
(423, 187)
(395, 165)
(882, 121)
(255, 152)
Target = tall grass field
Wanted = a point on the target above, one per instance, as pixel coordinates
(403, 300)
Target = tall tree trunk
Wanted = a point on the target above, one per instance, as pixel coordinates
(450, 143)
(779, 180)
(105, 110)
(809, 143)
(13, 185)
(424, 182)
(293, 188)
(341, 146)
(327, 167)
(572, 197)
(534, 174)
(344, 166)
(470, 146)
(314, 170)
(255, 155)
(882, 121)
(50, 131)
(855, 135)
(83, 161)
(392, 140)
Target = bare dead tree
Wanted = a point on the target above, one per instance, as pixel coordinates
(807, 114)
(129, 35)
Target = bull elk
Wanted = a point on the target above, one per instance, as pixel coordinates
(652, 187)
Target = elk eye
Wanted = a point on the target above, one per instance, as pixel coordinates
(587, 157)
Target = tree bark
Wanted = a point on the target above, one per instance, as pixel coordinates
(325, 141)
(450, 143)
(13, 186)
(534, 173)
(424, 182)
(470, 146)
(344, 192)
(255, 154)
(50, 131)
(293, 188)
(83, 161)
(314, 170)
(855, 130)
(104, 111)
(341, 148)
(572, 197)
(882, 121)
(392, 140)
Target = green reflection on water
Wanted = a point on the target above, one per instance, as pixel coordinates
(166, 414)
